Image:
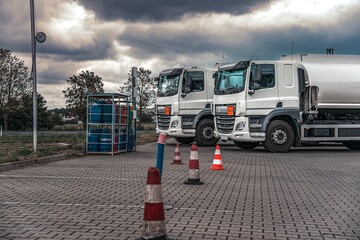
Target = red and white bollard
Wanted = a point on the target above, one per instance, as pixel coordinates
(194, 173)
(154, 216)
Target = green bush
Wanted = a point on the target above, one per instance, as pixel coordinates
(24, 152)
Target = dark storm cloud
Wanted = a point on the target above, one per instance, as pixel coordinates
(60, 52)
(268, 44)
(63, 60)
(54, 76)
(164, 10)
(97, 51)
(147, 44)
(301, 41)
(15, 35)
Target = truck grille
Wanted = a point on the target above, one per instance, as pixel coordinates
(163, 122)
(225, 124)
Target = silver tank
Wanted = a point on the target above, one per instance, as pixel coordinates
(337, 76)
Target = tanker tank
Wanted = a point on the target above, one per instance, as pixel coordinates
(338, 80)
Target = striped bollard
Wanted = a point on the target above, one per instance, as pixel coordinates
(154, 216)
(160, 152)
(194, 173)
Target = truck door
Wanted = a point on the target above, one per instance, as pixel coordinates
(195, 100)
(266, 98)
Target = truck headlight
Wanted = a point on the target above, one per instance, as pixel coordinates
(164, 110)
(174, 123)
(228, 110)
(240, 126)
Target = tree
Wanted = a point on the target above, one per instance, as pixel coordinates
(146, 90)
(22, 117)
(57, 113)
(43, 116)
(81, 85)
(14, 83)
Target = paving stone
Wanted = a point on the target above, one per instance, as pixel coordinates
(307, 193)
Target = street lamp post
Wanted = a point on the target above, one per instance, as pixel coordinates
(39, 37)
(33, 73)
(133, 96)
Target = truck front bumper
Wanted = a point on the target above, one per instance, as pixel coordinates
(175, 129)
(243, 135)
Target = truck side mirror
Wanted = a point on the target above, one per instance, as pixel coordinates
(255, 86)
(258, 75)
(187, 90)
(216, 79)
(156, 79)
(188, 81)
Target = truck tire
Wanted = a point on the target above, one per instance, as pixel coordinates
(353, 145)
(279, 137)
(184, 140)
(246, 145)
(204, 133)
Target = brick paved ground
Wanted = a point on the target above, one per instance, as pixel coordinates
(311, 193)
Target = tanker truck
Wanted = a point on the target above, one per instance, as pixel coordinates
(183, 101)
(298, 99)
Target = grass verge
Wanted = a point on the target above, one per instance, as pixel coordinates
(18, 148)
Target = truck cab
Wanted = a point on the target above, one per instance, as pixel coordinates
(257, 93)
(183, 102)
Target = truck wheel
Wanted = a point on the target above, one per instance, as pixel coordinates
(204, 133)
(184, 140)
(279, 137)
(246, 145)
(354, 145)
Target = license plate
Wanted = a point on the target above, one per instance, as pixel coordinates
(224, 138)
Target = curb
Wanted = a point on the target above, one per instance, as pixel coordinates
(32, 162)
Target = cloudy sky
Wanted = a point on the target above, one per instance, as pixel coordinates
(110, 36)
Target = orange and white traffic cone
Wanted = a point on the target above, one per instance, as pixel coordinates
(177, 156)
(194, 173)
(154, 216)
(217, 163)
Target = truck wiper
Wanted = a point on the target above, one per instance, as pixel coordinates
(232, 89)
(220, 92)
(170, 92)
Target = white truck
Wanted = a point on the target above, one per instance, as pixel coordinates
(302, 98)
(183, 102)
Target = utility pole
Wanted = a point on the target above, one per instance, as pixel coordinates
(133, 96)
(39, 37)
(33, 74)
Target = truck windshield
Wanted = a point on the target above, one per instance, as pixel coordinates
(230, 81)
(168, 85)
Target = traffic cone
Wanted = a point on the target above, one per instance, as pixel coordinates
(177, 157)
(217, 163)
(194, 173)
(154, 216)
